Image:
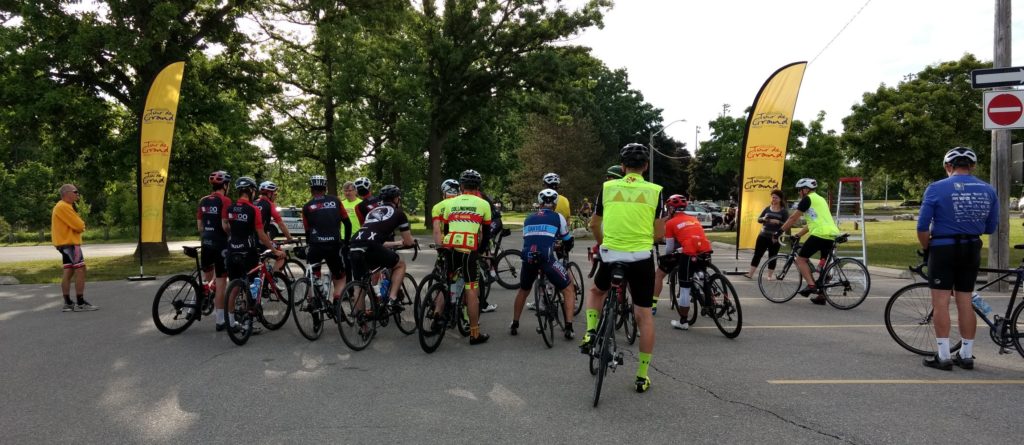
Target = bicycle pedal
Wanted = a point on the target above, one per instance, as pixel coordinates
(618, 358)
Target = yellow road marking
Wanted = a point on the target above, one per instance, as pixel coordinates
(897, 382)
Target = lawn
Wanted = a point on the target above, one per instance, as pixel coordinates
(99, 269)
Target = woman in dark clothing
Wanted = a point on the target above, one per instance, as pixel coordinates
(772, 218)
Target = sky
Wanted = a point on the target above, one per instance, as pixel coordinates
(691, 57)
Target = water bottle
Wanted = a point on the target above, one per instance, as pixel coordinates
(255, 287)
(981, 304)
(457, 288)
(385, 285)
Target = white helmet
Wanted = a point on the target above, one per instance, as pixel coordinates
(807, 182)
(552, 180)
(450, 187)
(362, 184)
(547, 197)
(960, 153)
(318, 181)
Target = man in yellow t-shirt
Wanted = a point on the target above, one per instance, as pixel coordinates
(66, 229)
(350, 202)
(552, 181)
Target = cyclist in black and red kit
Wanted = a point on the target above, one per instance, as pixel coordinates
(369, 202)
(269, 213)
(371, 245)
(245, 237)
(212, 222)
(323, 217)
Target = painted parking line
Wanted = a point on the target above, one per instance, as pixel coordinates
(898, 382)
(823, 326)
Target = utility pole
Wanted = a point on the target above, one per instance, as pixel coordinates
(999, 242)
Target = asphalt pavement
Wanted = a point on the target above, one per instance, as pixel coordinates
(798, 373)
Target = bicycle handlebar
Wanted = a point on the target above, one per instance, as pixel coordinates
(415, 247)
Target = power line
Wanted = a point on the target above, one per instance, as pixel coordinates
(667, 156)
(841, 30)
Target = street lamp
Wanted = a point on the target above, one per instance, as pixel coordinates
(651, 145)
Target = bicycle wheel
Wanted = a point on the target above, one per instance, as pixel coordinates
(276, 302)
(242, 310)
(293, 269)
(174, 302)
(545, 325)
(1017, 327)
(673, 288)
(846, 283)
(724, 306)
(405, 314)
(506, 268)
(430, 338)
(577, 281)
(908, 318)
(691, 317)
(628, 321)
(782, 285)
(604, 354)
(463, 314)
(357, 315)
(306, 309)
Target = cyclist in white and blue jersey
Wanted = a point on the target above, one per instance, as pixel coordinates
(542, 229)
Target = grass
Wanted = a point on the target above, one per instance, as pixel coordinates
(890, 243)
(99, 269)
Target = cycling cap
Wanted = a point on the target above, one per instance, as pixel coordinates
(547, 196)
(614, 171)
(268, 186)
(389, 192)
(318, 181)
(450, 187)
(471, 178)
(676, 203)
(807, 182)
(220, 177)
(633, 155)
(960, 156)
(552, 180)
(245, 182)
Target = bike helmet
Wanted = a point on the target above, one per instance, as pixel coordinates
(634, 155)
(676, 203)
(960, 156)
(808, 183)
(245, 182)
(471, 178)
(362, 185)
(389, 192)
(450, 187)
(614, 172)
(318, 181)
(268, 186)
(547, 197)
(219, 177)
(552, 180)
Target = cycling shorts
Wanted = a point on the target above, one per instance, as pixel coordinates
(240, 262)
(212, 257)
(368, 256)
(954, 267)
(72, 256)
(816, 245)
(639, 277)
(552, 269)
(468, 265)
(329, 253)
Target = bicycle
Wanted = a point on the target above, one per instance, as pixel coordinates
(269, 306)
(357, 323)
(293, 268)
(577, 281)
(625, 319)
(909, 314)
(715, 293)
(603, 351)
(431, 324)
(549, 302)
(844, 281)
(504, 264)
(183, 299)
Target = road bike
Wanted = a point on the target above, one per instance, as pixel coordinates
(270, 305)
(359, 315)
(602, 350)
(183, 299)
(293, 268)
(436, 290)
(711, 295)
(844, 281)
(549, 303)
(909, 314)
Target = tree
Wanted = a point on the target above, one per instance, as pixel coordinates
(563, 148)
(822, 157)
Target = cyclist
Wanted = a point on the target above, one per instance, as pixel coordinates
(450, 189)
(542, 229)
(467, 217)
(627, 221)
(823, 232)
(246, 231)
(369, 202)
(586, 209)
(955, 212)
(323, 216)
(371, 245)
(212, 223)
(613, 172)
(268, 212)
(350, 202)
(687, 244)
(553, 181)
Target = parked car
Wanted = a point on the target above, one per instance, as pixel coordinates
(714, 207)
(706, 217)
(292, 218)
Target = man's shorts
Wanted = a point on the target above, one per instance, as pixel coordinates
(240, 262)
(212, 257)
(639, 276)
(72, 256)
(552, 269)
(954, 267)
(369, 256)
(468, 263)
(816, 245)
(329, 253)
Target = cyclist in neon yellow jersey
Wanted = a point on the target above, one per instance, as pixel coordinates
(627, 221)
(350, 202)
(814, 209)
(450, 189)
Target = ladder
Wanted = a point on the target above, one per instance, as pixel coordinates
(850, 219)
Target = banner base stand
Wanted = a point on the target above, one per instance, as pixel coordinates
(141, 278)
(736, 272)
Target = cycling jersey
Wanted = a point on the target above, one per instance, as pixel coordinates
(212, 209)
(368, 203)
(268, 211)
(685, 232)
(541, 229)
(628, 208)
(350, 207)
(245, 221)
(465, 215)
(819, 220)
(323, 216)
(958, 205)
(563, 207)
(380, 225)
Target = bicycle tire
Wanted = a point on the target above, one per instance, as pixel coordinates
(724, 306)
(545, 326)
(629, 323)
(606, 338)
(306, 310)
(405, 317)
(463, 314)
(357, 326)
(171, 304)
(208, 300)
(673, 288)
(786, 280)
(429, 338)
(908, 318)
(506, 268)
(691, 317)
(422, 287)
(1016, 326)
(577, 281)
(293, 269)
(276, 302)
(242, 310)
(846, 283)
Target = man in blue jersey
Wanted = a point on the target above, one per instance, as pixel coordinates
(541, 229)
(955, 212)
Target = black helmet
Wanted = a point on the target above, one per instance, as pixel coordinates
(634, 155)
(246, 182)
(614, 171)
(471, 178)
(389, 192)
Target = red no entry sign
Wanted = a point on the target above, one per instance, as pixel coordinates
(1003, 110)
